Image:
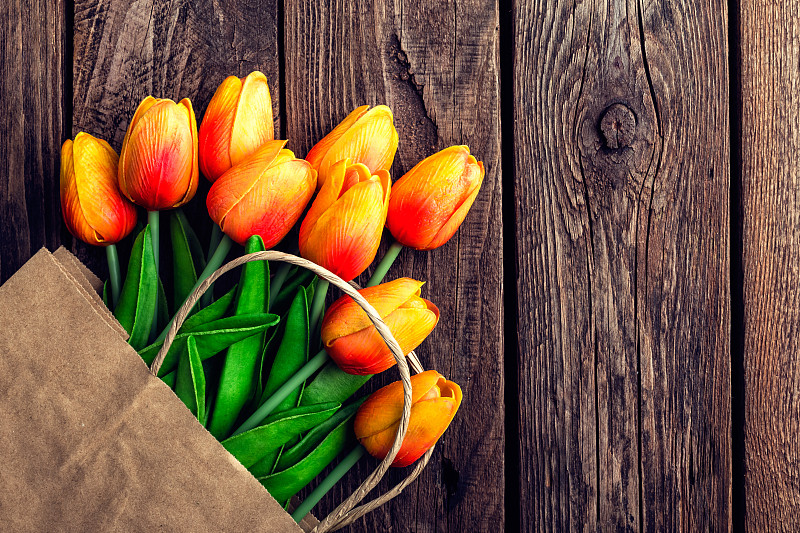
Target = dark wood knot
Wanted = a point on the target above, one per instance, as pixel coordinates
(618, 126)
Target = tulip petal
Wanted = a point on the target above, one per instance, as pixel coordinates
(454, 222)
(143, 108)
(157, 166)
(319, 150)
(345, 316)
(372, 141)
(95, 167)
(217, 127)
(365, 352)
(346, 237)
(328, 194)
(234, 184)
(194, 178)
(253, 125)
(70, 202)
(428, 195)
(384, 408)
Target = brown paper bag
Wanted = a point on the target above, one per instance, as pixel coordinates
(91, 441)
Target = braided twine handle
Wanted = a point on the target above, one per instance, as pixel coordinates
(346, 512)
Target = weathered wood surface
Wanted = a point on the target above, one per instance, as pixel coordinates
(622, 236)
(770, 209)
(125, 51)
(31, 92)
(435, 64)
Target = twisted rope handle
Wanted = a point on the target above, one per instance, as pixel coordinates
(345, 513)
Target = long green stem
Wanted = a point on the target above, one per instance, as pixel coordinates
(216, 238)
(279, 395)
(317, 305)
(277, 282)
(113, 273)
(213, 264)
(386, 263)
(153, 221)
(327, 484)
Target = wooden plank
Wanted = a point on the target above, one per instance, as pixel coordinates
(622, 176)
(124, 51)
(435, 64)
(32, 92)
(770, 254)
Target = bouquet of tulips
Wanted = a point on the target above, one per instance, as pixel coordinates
(243, 363)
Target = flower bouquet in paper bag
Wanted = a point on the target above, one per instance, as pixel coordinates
(271, 373)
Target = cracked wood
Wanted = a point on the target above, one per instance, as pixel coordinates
(770, 116)
(623, 266)
(435, 64)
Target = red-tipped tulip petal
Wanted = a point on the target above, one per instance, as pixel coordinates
(432, 199)
(158, 164)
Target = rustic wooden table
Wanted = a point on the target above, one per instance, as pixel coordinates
(621, 306)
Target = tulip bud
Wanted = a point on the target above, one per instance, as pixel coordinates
(434, 402)
(158, 162)
(342, 230)
(237, 122)
(432, 199)
(263, 195)
(353, 342)
(366, 136)
(93, 208)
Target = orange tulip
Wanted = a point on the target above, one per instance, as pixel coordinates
(434, 404)
(263, 195)
(158, 162)
(432, 199)
(342, 230)
(366, 136)
(353, 342)
(93, 208)
(237, 122)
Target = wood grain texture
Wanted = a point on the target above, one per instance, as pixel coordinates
(125, 51)
(31, 93)
(770, 196)
(623, 265)
(435, 64)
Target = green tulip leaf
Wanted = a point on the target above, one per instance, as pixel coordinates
(139, 295)
(332, 385)
(313, 438)
(184, 273)
(106, 301)
(277, 430)
(299, 277)
(213, 312)
(190, 385)
(238, 378)
(287, 482)
(211, 338)
(198, 256)
(169, 379)
(163, 307)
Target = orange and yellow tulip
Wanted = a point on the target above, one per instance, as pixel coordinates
(353, 342)
(432, 199)
(237, 122)
(158, 162)
(263, 195)
(94, 209)
(342, 230)
(434, 402)
(365, 136)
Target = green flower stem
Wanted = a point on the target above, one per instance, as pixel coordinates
(113, 273)
(327, 484)
(386, 263)
(317, 305)
(216, 238)
(152, 220)
(279, 395)
(214, 262)
(277, 282)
